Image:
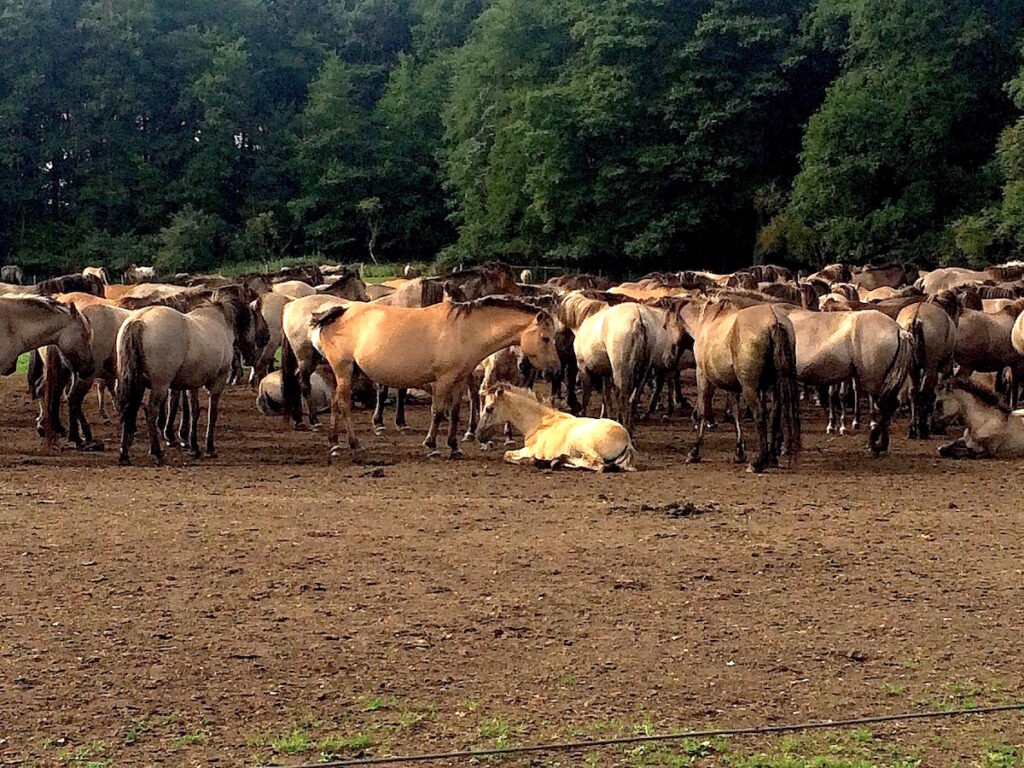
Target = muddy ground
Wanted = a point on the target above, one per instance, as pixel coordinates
(262, 607)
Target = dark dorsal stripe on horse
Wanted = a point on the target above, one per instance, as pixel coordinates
(503, 302)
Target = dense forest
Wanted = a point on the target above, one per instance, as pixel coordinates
(620, 135)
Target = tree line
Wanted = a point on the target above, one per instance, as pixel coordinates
(619, 135)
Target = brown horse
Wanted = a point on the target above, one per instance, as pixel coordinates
(439, 345)
(749, 351)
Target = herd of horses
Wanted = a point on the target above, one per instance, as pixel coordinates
(946, 344)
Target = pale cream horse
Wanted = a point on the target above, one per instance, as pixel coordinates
(412, 347)
(555, 438)
(162, 349)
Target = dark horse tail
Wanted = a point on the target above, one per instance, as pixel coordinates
(291, 394)
(131, 373)
(787, 393)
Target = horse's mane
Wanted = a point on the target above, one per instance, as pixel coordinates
(881, 267)
(736, 295)
(1010, 270)
(576, 306)
(982, 393)
(501, 302)
(46, 301)
(71, 283)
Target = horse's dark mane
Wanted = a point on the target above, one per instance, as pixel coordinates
(47, 301)
(982, 393)
(948, 300)
(71, 284)
(502, 302)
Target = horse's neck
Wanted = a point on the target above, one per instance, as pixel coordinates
(213, 313)
(527, 413)
(493, 328)
(41, 330)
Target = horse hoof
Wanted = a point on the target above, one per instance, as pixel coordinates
(855, 425)
(401, 428)
(105, 419)
(94, 447)
(300, 427)
(830, 430)
(379, 431)
(433, 454)
(486, 446)
(842, 430)
(211, 454)
(158, 461)
(456, 454)
(753, 469)
(692, 458)
(124, 461)
(469, 437)
(172, 443)
(195, 453)
(509, 441)
(739, 458)
(315, 427)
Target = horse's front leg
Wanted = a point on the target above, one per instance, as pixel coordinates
(474, 411)
(378, 413)
(741, 452)
(211, 419)
(437, 414)
(78, 426)
(191, 430)
(831, 407)
(855, 424)
(454, 406)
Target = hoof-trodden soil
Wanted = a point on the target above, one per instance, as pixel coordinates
(264, 607)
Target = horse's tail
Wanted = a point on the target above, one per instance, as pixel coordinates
(291, 394)
(626, 461)
(638, 358)
(787, 392)
(131, 372)
(918, 349)
(34, 376)
(899, 368)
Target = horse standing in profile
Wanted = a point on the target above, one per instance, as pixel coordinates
(162, 349)
(749, 351)
(412, 347)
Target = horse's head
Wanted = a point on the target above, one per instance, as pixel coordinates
(246, 319)
(493, 411)
(75, 343)
(348, 286)
(537, 341)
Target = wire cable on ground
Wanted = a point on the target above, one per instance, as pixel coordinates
(583, 746)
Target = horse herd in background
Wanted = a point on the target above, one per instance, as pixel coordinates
(946, 344)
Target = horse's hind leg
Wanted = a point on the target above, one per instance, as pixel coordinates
(759, 405)
(705, 392)
(193, 423)
(832, 406)
(741, 452)
(101, 397)
(474, 412)
(157, 401)
(170, 416)
(211, 424)
(400, 423)
(659, 385)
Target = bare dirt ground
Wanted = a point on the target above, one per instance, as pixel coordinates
(262, 607)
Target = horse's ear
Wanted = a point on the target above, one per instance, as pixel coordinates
(499, 390)
(73, 309)
(542, 316)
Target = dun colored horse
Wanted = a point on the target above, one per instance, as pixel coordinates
(992, 429)
(555, 438)
(411, 347)
(34, 321)
(748, 351)
(162, 349)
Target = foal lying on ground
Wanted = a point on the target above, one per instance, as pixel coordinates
(992, 429)
(555, 437)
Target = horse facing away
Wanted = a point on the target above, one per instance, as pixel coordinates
(750, 351)
(411, 347)
(992, 429)
(553, 437)
(161, 349)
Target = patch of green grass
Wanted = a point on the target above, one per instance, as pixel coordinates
(567, 680)
(372, 705)
(85, 755)
(470, 705)
(892, 689)
(22, 365)
(293, 743)
(1003, 756)
(197, 737)
(497, 730)
(135, 731)
(334, 744)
